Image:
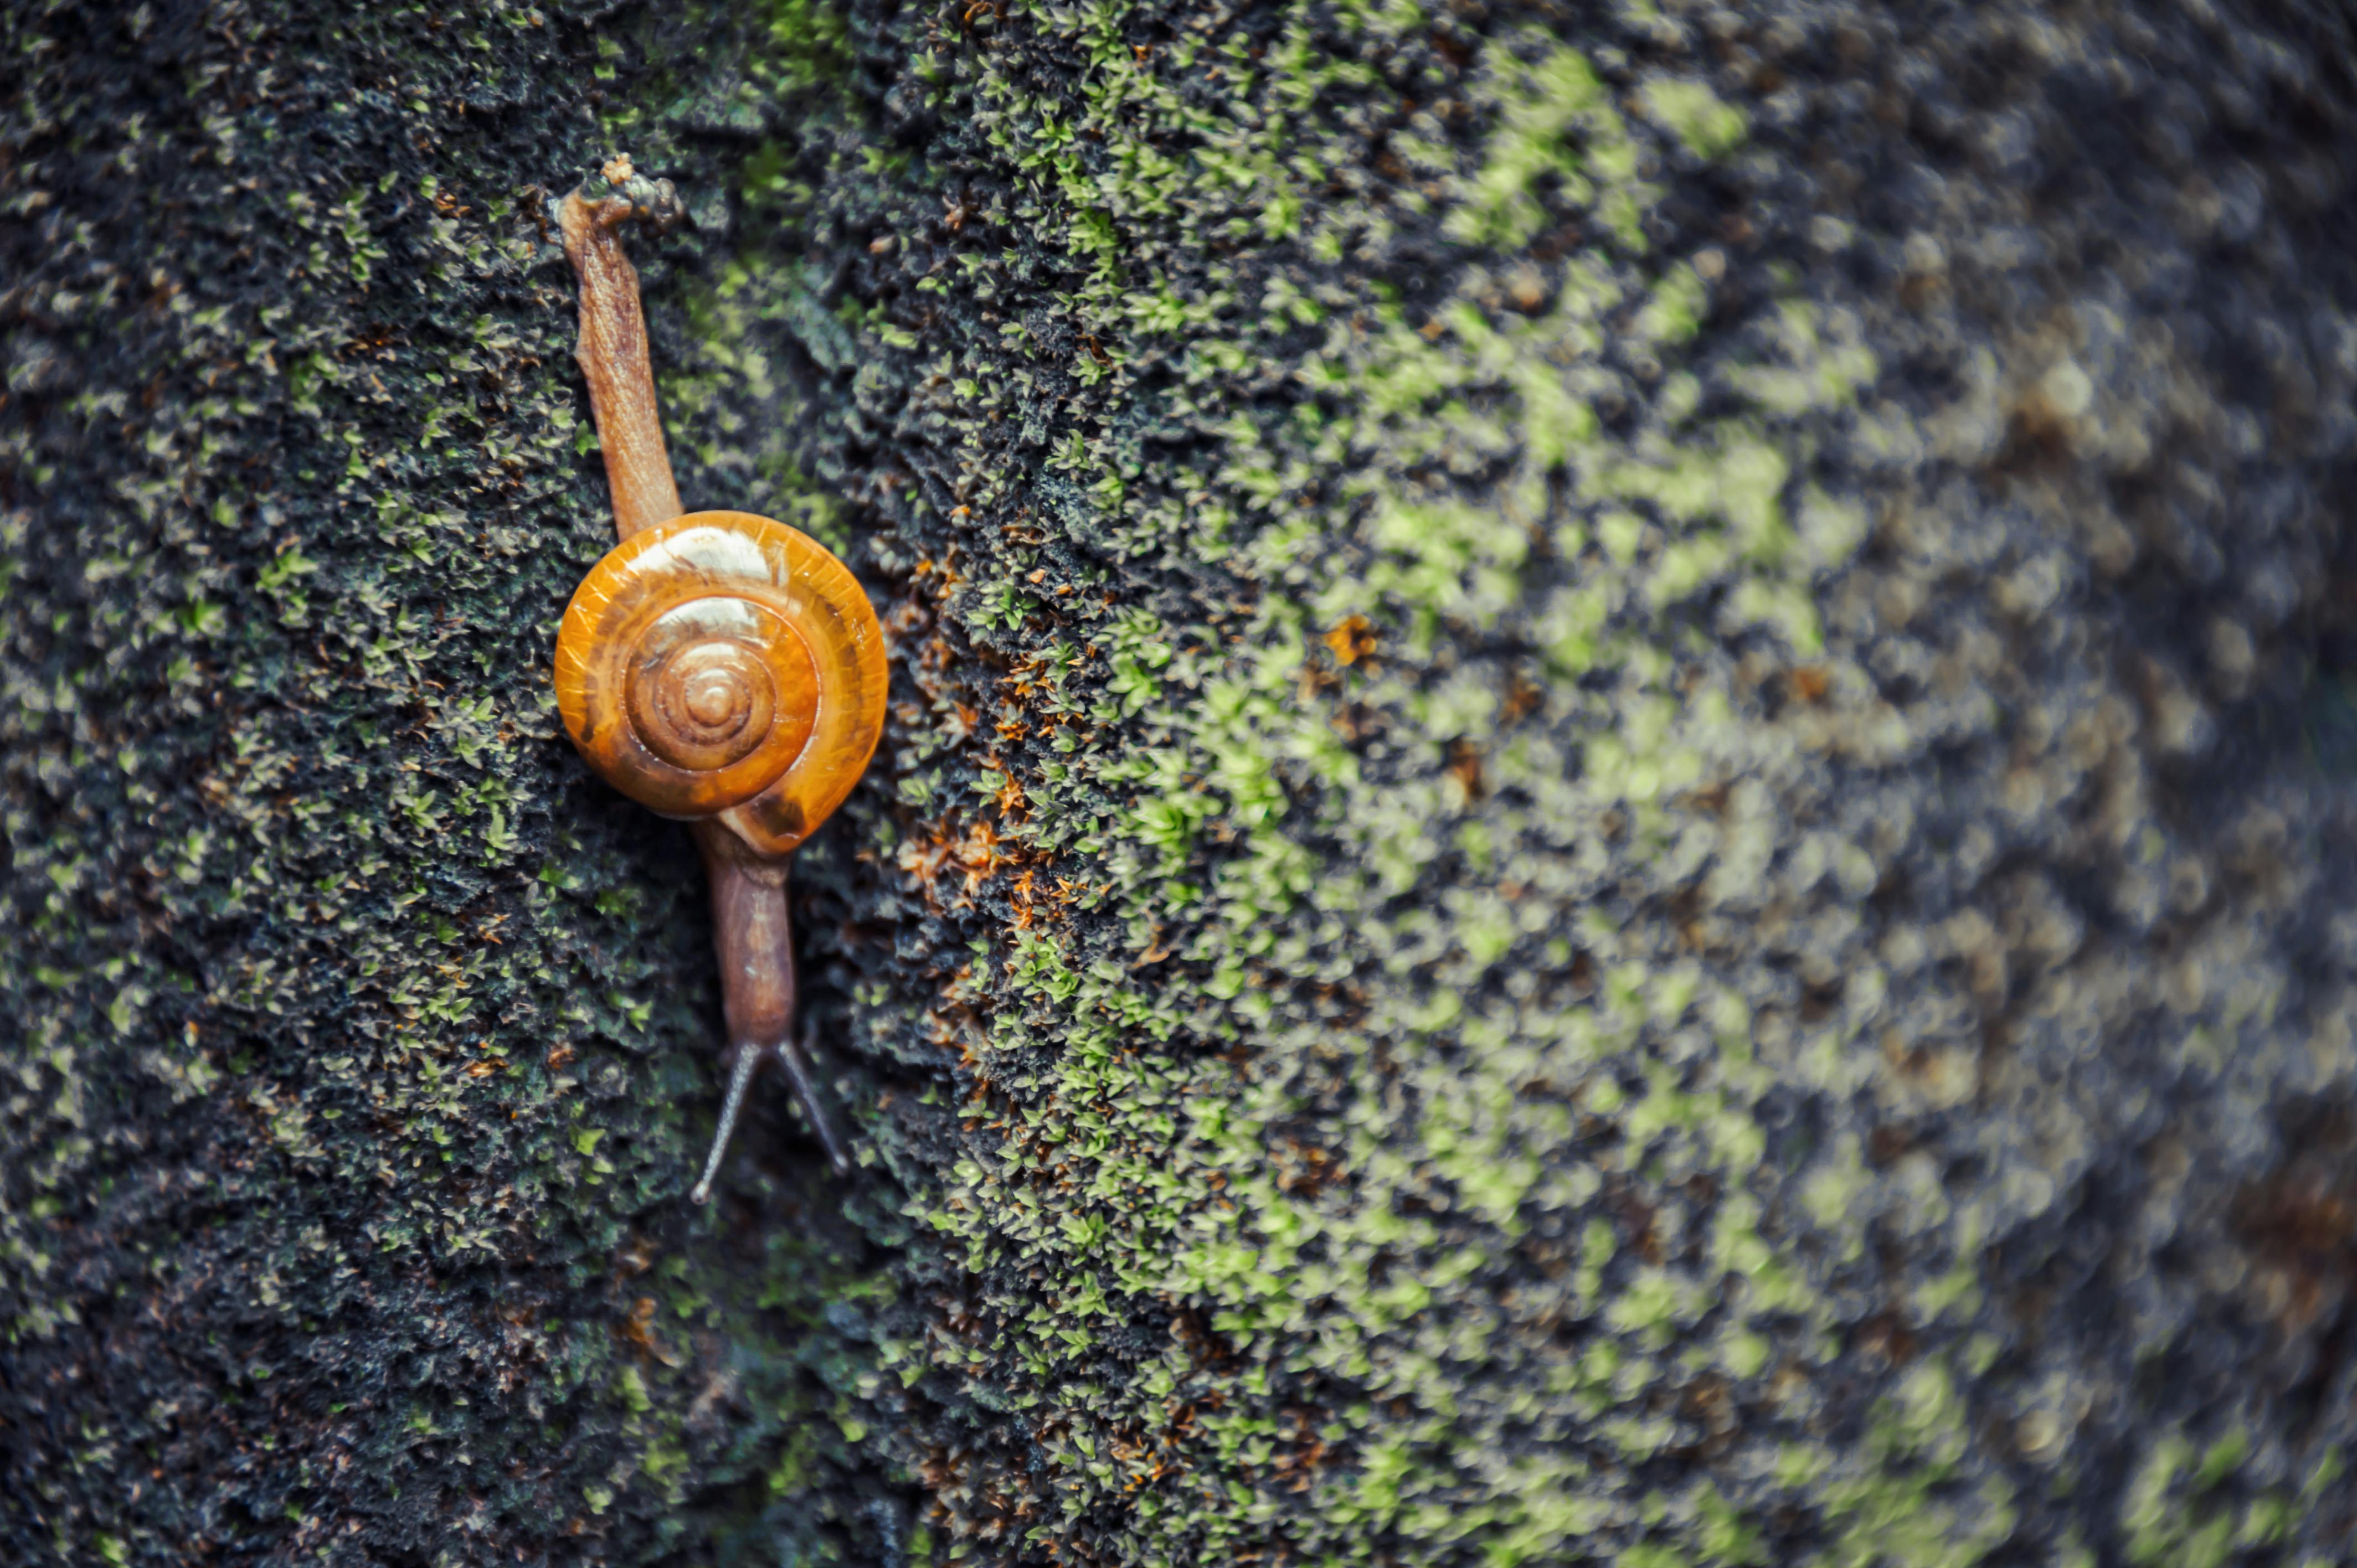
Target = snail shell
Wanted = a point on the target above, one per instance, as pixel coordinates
(725, 665)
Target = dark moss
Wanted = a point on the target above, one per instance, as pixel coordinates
(356, 1032)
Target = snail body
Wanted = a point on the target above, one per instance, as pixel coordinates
(717, 667)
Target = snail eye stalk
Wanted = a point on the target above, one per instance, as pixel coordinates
(717, 667)
(794, 1059)
(749, 1062)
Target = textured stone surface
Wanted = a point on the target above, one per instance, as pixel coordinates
(1617, 825)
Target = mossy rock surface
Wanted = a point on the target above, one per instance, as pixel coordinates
(1619, 822)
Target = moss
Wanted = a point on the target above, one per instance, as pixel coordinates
(1439, 965)
(370, 1031)
(1207, 727)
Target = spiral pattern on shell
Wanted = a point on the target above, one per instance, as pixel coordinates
(723, 664)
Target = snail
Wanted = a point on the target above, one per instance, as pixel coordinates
(719, 668)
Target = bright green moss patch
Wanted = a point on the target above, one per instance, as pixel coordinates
(1708, 127)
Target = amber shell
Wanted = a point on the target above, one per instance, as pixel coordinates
(725, 665)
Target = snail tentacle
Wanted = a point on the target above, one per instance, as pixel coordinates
(749, 1062)
(795, 1057)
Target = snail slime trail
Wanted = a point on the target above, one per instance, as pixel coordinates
(719, 668)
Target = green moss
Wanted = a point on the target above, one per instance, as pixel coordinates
(1707, 126)
(1210, 796)
(1360, 530)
